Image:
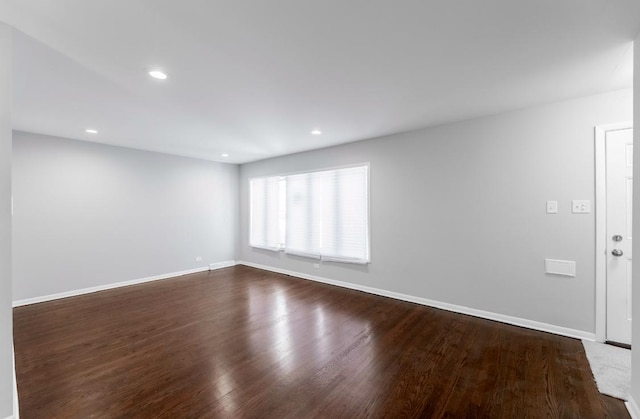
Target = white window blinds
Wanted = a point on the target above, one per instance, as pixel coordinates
(265, 214)
(321, 214)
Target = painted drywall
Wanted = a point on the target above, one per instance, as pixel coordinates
(88, 214)
(6, 317)
(458, 211)
(635, 325)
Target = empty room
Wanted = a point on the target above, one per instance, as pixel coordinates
(292, 209)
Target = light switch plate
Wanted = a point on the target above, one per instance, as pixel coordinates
(552, 207)
(581, 206)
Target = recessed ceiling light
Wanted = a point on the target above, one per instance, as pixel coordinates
(157, 74)
(225, 154)
(316, 132)
(91, 131)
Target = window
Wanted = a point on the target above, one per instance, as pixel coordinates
(265, 218)
(323, 214)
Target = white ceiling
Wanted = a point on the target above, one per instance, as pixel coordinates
(252, 78)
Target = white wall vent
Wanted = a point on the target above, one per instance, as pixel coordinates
(560, 267)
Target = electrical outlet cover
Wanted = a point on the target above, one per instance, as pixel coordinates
(581, 206)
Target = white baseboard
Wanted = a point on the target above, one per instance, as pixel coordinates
(530, 324)
(89, 290)
(516, 321)
(633, 409)
(221, 265)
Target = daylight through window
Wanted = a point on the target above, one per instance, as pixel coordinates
(323, 215)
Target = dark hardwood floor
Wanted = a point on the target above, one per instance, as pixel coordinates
(245, 343)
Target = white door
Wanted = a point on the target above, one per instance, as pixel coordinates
(619, 174)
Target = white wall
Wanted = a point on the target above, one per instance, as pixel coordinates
(87, 214)
(6, 318)
(458, 211)
(635, 331)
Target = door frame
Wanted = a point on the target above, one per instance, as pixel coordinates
(601, 224)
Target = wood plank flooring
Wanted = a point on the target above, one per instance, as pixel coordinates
(245, 343)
